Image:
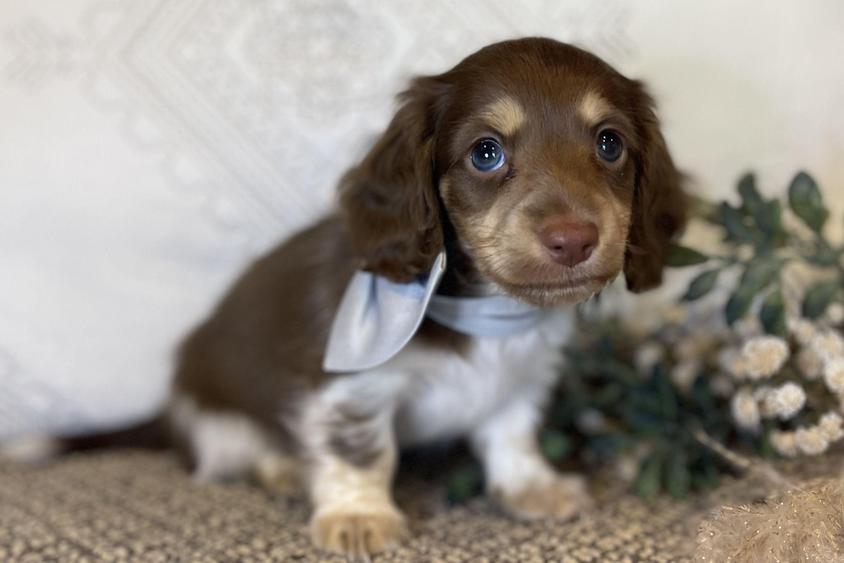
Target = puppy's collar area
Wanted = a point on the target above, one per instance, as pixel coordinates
(378, 317)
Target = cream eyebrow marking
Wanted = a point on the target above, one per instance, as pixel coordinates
(505, 115)
(592, 108)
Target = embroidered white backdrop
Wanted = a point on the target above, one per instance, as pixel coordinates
(148, 150)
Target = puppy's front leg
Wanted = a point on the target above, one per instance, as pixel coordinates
(518, 476)
(352, 453)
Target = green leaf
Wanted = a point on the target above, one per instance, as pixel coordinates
(465, 483)
(701, 285)
(707, 475)
(650, 475)
(818, 298)
(772, 314)
(750, 197)
(668, 400)
(737, 305)
(680, 256)
(769, 218)
(806, 201)
(555, 445)
(759, 273)
(733, 220)
(678, 478)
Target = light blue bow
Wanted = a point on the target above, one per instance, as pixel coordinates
(378, 317)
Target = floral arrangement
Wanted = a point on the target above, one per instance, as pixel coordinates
(750, 359)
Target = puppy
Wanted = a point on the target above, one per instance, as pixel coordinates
(528, 176)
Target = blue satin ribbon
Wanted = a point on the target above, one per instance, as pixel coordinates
(377, 317)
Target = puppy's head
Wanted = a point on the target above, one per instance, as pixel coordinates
(546, 164)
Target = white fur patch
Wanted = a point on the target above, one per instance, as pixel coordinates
(449, 395)
(224, 444)
(507, 445)
(437, 393)
(35, 448)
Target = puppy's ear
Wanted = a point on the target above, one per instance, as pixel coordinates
(659, 203)
(389, 201)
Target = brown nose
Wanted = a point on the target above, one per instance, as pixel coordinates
(569, 242)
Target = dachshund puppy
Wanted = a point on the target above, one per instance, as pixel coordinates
(506, 190)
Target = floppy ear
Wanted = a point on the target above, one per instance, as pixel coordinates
(659, 203)
(389, 201)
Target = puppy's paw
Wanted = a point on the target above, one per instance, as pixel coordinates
(278, 475)
(357, 534)
(564, 497)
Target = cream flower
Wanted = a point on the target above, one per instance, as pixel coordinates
(721, 385)
(764, 355)
(802, 330)
(745, 410)
(695, 345)
(785, 401)
(783, 442)
(811, 441)
(828, 345)
(835, 313)
(833, 375)
(809, 363)
(647, 356)
(591, 421)
(748, 327)
(760, 392)
(830, 426)
(732, 362)
(675, 314)
(765, 407)
(683, 375)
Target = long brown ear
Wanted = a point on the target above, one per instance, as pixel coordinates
(389, 200)
(659, 203)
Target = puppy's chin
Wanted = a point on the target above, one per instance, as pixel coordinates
(550, 295)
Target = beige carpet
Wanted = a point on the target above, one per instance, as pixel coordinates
(142, 507)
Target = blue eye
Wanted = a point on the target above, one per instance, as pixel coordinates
(609, 146)
(487, 155)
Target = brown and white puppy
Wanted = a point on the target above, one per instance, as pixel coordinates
(543, 173)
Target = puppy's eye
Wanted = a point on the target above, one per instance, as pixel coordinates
(609, 145)
(487, 155)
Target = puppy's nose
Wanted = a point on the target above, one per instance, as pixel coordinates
(569, 242)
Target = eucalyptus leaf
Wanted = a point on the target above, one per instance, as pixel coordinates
(806, 201)
(818, 298)
(769, 218)
(681, 256)
(649, 478)
(465, 483)
(555, 445)
(708, 473)
(772, 314)
(701, 285)
(759, 273)
(750, 197)
(734, 222)
(737, 305)
(678, 477)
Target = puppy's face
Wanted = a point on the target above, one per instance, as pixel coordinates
(547, 165)
(539, 180)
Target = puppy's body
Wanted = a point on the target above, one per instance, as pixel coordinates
(511, 162)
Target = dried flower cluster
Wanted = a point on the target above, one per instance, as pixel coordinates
(780, 354)
(819, 351)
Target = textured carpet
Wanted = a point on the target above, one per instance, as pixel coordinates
(142, 507)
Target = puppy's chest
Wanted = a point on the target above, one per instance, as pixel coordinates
(448, 394)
